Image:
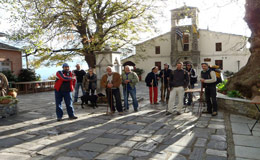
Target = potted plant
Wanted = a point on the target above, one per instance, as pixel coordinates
(6, 99)
(139, 72)
(12, 92)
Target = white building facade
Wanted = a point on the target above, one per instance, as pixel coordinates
(195, 46)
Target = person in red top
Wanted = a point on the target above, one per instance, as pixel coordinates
(64, 86)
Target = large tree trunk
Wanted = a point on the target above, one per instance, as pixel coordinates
(247, 80)
(90, 58)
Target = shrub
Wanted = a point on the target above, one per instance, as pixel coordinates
(234, 93)
(138, 71)
(222, 86)
(228, 73)
(10, 76)
(27, 75)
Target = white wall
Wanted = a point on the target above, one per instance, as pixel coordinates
(233, 49)
(146, 56)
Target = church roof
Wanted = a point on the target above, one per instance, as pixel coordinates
(8, 47)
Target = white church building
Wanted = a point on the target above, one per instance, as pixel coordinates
(188, 44)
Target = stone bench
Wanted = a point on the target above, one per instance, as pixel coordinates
(7, 110)
(237, 105)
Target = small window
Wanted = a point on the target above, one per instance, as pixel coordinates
(186, 47)
(185, 38)
(218, 47)
(219, 63)
(157, 50)
(158, 64)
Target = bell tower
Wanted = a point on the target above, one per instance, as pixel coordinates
(185, 35)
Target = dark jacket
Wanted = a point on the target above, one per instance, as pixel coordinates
(79, 75)
(166, 74)
(179, 78)
(210, 81)
(151, 76)
(89, 82)
(193, 76)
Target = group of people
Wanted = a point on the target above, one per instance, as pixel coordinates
(173, 83)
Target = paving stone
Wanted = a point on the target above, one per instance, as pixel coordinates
(82, 154)
(174, 149)
(130, 132)
(136, 153)
(247, 152)
(241, 119)
(197, 154)
(15, 150)
(186, 141)
(93, 147)
(96, 131)
(201, 142)
(210, 157)
(118, 150)
(51, 151)
(240, 128)
(67, 158)
(242, 159)
(216, 126)
(12, 156)
(107, 141)
(217, 120)
(250, 141)
(216, 152)
(113, 136)
(131, 126)
(30, 146)
(221, 132)
(117, 131)
(129, 144)
(9, 142)
(172, 139)
(40, 157)
(219, 138)
(163, 132)
(217, 145)
(137, 138)
(106, 156)
(146, 146)
(164, 156)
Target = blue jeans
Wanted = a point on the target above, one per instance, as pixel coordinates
(76, 94)
(68, 101)
(133, 95)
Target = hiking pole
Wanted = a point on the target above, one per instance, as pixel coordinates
(152, 93)
(163, 89)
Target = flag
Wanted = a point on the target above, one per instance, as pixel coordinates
(179, 33)
(195, 31)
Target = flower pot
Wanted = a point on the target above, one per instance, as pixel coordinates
(5, 101)
(12, 93)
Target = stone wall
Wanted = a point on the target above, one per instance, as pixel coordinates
(237, 106)
(7, 110)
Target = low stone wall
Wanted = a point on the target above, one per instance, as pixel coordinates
(7, 110)
(237, 105)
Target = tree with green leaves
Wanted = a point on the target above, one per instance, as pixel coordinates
(55, 31)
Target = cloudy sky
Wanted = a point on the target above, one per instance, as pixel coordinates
(216, 15)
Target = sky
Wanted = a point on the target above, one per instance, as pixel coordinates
(216, 15)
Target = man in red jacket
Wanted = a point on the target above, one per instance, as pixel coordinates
(64, 86)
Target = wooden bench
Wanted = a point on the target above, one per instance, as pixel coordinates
(256, 102)
(201, 100)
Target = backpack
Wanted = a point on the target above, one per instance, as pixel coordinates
(218, 73)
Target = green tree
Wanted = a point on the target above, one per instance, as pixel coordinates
(27, 75)
(78, 27)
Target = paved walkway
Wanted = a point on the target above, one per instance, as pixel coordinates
(147, 134)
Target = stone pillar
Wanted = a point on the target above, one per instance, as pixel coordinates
(105, 58)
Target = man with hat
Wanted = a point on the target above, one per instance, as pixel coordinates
(64, 86)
